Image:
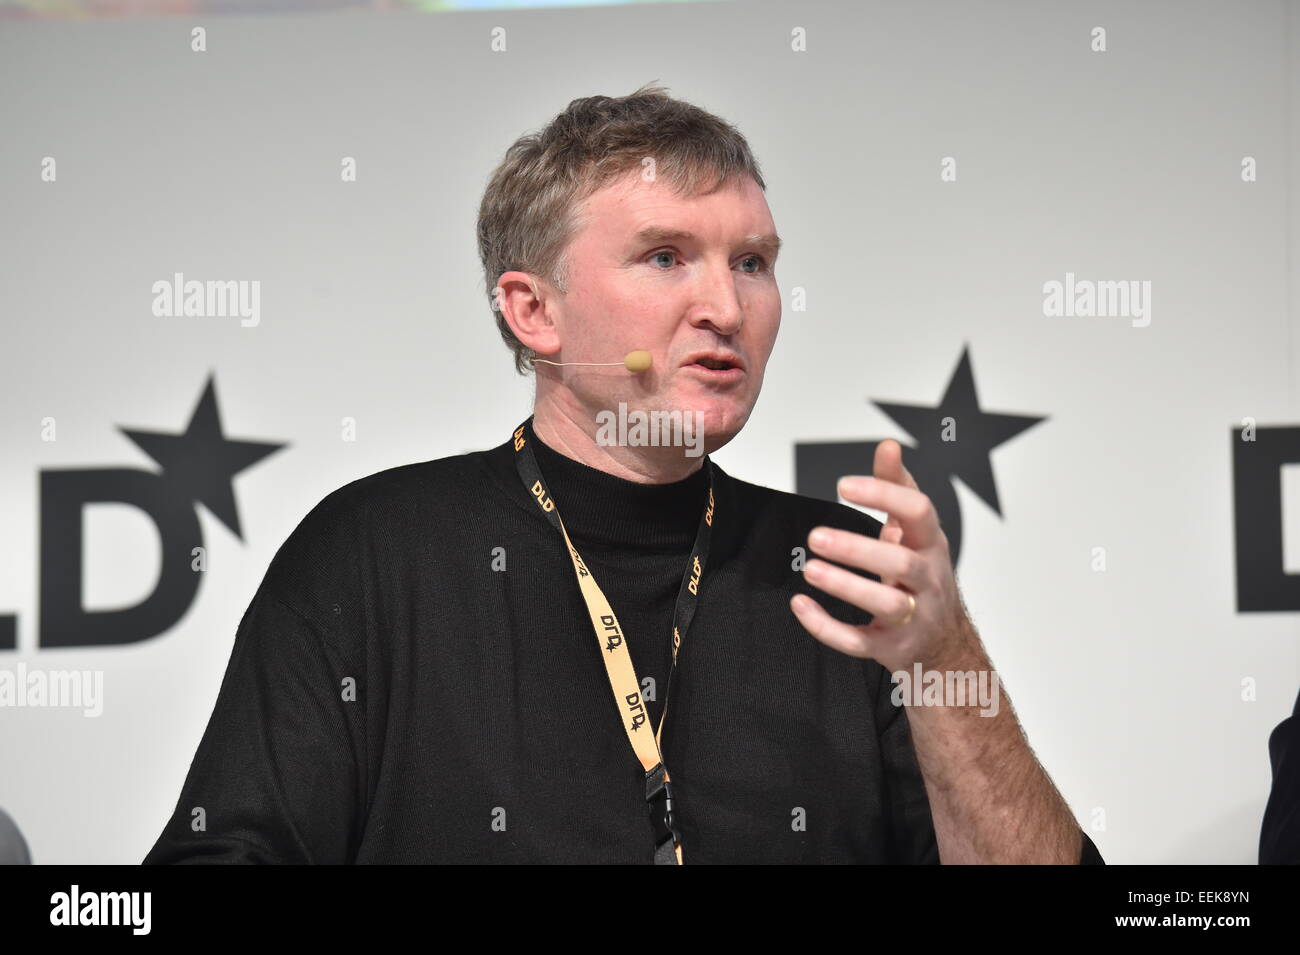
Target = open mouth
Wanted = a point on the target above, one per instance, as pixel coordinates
(715, 364)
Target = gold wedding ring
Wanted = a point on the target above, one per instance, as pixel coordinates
(911, 610)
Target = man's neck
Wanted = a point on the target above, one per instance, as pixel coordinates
(573, 434)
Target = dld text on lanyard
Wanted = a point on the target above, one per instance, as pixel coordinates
(618, 661)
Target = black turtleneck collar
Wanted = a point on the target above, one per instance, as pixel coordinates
(599, 507)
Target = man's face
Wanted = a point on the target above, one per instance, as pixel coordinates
(673, 276)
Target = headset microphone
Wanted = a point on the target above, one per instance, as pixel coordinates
(635, 362)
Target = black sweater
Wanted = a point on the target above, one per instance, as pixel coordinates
(417, 680)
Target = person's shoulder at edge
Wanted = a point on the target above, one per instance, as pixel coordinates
(1279, 839)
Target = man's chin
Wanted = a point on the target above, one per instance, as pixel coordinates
(722, 423)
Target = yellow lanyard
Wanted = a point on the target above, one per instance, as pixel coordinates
(614, 649)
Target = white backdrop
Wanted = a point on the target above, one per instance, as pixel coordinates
(1120, 165)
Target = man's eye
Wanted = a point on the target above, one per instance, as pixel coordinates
(760, 263)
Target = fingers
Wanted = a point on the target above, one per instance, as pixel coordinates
(878, 599)
(891, 533)
(907, 507)
(887, 559)
(836, 634)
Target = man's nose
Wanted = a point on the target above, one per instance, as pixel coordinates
(718, 305)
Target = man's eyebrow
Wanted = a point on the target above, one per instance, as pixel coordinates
(650, 234)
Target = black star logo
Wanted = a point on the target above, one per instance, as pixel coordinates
(953, 440)
(202, 462)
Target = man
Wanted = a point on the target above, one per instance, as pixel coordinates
(581, 647)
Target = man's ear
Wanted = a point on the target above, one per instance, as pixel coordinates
(527, 313)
